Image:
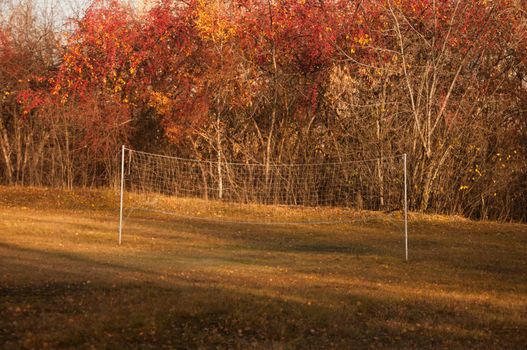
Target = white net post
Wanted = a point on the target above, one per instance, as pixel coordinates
(405, 208)
(122, 195)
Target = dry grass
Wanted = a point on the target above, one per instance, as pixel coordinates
(182, 283)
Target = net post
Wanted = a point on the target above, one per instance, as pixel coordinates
(405, 209)
(122, 194)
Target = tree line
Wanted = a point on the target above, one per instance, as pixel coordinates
(275, 82)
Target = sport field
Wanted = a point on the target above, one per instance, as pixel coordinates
(178, 283)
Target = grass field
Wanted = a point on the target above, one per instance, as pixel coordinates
(180, 283)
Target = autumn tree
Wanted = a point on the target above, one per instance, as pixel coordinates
(28, 50)
(289, 81)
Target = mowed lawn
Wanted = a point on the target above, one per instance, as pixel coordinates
(182, 283)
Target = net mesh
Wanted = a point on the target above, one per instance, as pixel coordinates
(325, 192)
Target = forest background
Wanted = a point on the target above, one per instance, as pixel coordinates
(274, 82)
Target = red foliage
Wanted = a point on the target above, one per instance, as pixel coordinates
(167, 63)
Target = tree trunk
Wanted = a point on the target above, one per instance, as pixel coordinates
(5, 146)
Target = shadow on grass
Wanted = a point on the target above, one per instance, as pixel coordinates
(358, 240)
(117, 313)
(439, 245)
(315, 239)
(45, 257)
